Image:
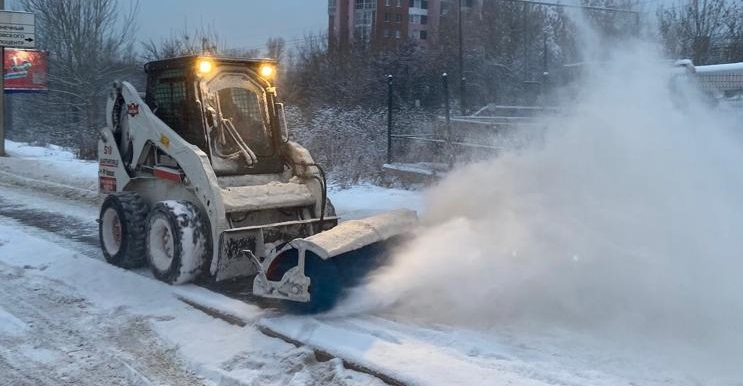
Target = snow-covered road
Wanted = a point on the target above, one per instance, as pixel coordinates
(67, 316)
(51, 336)
(88, 302)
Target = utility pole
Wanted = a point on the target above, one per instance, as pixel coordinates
(463, 79)
(545, 68)
(2, 94)
(389, 119)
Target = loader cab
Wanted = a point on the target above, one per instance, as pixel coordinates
(226, 107)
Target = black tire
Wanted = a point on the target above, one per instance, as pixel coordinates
(121, 229)
(177, 242)
(325, 286)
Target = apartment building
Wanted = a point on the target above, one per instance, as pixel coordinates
(384, 23)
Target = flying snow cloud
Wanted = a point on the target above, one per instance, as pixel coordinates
(627, 218)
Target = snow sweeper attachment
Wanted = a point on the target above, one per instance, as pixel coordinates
(203, 183)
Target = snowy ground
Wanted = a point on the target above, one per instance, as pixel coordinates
(66, 317)
(50, 169)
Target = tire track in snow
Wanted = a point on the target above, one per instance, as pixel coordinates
(57, 188)
(82, 236)
(67, 227)
(69, 343)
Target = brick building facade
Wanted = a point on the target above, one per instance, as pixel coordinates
(385, 23)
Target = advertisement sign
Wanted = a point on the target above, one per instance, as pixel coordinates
(25, 70)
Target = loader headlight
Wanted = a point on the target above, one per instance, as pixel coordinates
(204, 66)
(267, 71)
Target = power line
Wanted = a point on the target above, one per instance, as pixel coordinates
(280, 32)
(255, 47)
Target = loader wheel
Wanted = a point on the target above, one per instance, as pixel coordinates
(121, 229)
(325, 286)
(177, 241)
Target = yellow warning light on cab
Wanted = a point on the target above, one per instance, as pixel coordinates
(205, 66)
(267, 71)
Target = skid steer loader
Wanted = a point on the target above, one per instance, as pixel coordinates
(203, 183)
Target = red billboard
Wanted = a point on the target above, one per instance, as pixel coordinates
(25, 70)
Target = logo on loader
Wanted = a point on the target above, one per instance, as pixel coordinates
(107, 184)
(132, 109)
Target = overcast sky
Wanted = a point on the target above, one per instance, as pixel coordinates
(239, 23)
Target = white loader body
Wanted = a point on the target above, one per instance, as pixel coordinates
(237, 185)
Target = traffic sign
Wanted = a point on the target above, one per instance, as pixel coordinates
(17, 29)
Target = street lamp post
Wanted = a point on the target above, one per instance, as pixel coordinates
(389, 119)
(462, 80)
(447, 114)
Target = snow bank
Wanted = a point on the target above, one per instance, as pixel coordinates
(54, 169)
(623, 224)
(364, 200)
(20, 149)
(49, 168)
(54, 161)
(732, 68)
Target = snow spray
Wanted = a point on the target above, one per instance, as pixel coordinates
(627, 218)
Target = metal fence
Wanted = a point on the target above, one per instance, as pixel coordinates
(431, 148)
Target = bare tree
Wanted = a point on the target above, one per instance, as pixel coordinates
(90, 44)
(241, 53)
(199, 41)
(202, 41)
(696, 28)
(276, 48)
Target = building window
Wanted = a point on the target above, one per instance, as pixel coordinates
(398, 18)
(366, 4)
(387, 2)
(363, 32)
(418, 19)
(387, 17)
(445, 6)
(331, 7)
(422, 4)
(397, 34)
(399, 3)
(386, 33)
(363, 17)
(418, 35)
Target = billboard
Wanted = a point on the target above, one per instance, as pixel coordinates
(25, 70)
